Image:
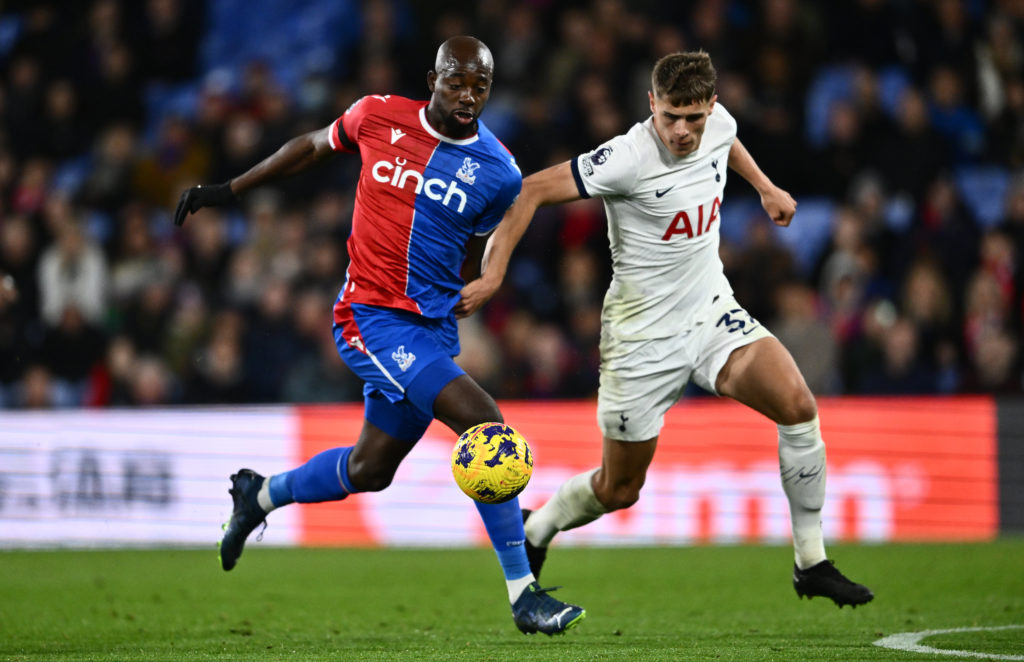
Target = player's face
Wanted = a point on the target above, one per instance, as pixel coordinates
(459, 96)
(680, 127)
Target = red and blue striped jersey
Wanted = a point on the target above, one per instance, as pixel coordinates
(419, 198)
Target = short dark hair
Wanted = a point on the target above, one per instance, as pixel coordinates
(684, 78)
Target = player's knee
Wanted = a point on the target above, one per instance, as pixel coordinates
(485, 405)
(463, 403)
(799, 407)
(619, 496)
(369, 478)
(492, 413)
(623, 498)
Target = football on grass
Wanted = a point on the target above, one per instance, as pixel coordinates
(492, 463)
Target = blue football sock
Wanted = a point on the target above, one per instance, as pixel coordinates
(504, 524)
(323, 478)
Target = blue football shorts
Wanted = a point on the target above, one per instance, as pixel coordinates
(405, 360)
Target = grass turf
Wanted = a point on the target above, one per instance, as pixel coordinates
(695, 603)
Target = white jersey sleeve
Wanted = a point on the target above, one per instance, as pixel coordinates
(611, 169)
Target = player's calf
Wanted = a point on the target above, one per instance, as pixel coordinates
(535, 555)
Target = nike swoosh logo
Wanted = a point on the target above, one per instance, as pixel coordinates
(658, 194)
(558, 617)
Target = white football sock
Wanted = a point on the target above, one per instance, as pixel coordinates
(263, 496)
(574, 504)
(802, 466)
(517, 586)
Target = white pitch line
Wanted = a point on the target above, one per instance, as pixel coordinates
(908, 641)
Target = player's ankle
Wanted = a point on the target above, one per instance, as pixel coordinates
(517, 586)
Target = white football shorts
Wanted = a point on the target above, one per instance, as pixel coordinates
(642, 379)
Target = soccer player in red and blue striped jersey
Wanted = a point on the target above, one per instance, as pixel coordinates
(434, 183)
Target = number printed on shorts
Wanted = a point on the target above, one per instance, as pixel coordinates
(734, 321)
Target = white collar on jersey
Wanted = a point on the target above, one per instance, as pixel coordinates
(440, 136)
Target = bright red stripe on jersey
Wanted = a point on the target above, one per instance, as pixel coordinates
(393, 146)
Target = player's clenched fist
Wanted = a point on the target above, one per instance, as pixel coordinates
(202, 196)
(779, 204)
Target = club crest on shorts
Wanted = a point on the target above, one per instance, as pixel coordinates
(403, 358)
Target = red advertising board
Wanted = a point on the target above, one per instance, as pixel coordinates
(898, 469)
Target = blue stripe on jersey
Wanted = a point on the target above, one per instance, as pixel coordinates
(466, 190)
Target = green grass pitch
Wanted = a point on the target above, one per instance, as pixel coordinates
(691, 603)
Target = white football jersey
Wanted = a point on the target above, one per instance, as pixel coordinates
(663, 215)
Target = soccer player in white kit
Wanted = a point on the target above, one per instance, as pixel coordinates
(669, 315)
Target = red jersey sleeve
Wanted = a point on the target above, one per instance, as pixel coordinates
(345, 130)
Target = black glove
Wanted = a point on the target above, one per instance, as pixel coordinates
(202, 196)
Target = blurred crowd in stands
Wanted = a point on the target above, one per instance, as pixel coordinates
(897, 124)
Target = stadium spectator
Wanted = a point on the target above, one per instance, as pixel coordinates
(72, 351)
(147, 318)
(317, 373)
(844, 275)
(29, 194)
(113, 92)
(950, 113)
(63, 127)
(13, 346)
(186, 332)
(913, 153)
(272, 343)
(108, 185)
(19, 254)
(945, 231)
(760, 268)
(72, 273)
(927, 303)
(176, 156)
(902, 368)
(995, 364)
(862, 351)
(135, 261)
(1006, 129)
(113, 387)
(481, 354)
(169, 39)
(151, 384)
(36, 390)
(22, 106)
(240, 146)
(800, 327)
(207, 256)
(217, 371)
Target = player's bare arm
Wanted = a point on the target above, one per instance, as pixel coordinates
(778, 203)
(295, 156)
(550, 186)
